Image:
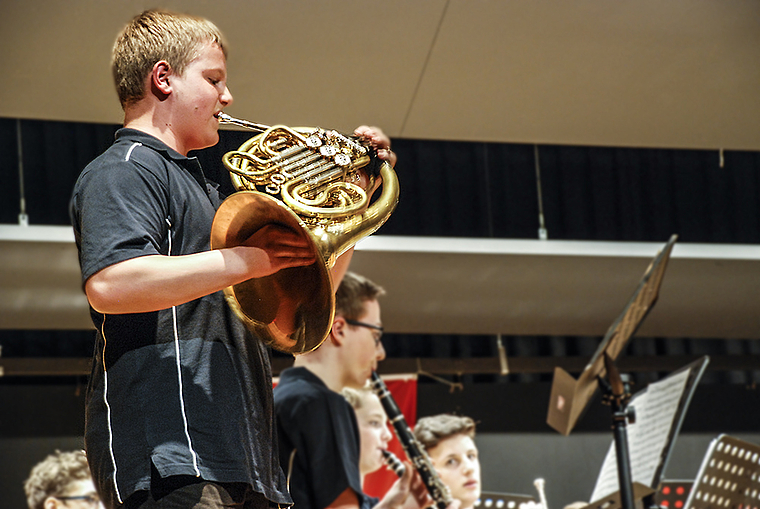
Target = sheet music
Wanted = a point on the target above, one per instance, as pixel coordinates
(647, 437)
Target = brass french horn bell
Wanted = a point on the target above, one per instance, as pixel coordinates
(302, 179)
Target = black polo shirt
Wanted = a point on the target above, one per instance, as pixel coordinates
(320, 426)
(186, 390)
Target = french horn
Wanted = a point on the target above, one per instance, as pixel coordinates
(304, 179)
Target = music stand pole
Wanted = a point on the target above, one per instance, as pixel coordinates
(617, 393)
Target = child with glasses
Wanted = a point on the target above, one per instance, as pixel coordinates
(61, 480)
(317, 428)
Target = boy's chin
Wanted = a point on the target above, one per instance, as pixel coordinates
(208, 141)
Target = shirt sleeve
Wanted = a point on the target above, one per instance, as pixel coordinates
(121, 212)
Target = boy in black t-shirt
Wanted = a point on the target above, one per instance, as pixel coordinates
(179, 404)
(317, 428)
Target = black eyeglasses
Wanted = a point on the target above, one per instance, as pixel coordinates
(91, 500)
(378, 334)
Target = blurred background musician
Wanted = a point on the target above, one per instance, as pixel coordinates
(450, 442)
(62, 480)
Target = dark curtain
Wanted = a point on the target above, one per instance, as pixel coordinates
(460, 189)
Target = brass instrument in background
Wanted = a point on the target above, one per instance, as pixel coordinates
(539, 484)
(302, 179)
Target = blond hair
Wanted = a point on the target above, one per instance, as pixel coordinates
(355, 397)
(53, 475)
(153, 36)
(430, 431)
(354, 291)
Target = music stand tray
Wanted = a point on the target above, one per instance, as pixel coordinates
(729, 476)
(569, 397)
(613, 501)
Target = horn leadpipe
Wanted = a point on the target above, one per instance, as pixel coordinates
(226, 119)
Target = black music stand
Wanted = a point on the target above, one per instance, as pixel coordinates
(661, 409)
(617, 393)
(569, 397)
(729, 476)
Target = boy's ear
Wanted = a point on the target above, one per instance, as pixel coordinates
(159, 78)
(338, 331)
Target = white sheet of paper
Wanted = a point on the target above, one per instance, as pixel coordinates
(647, 437)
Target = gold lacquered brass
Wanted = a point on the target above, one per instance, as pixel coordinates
(302, 179)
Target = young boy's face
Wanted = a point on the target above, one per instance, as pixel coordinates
(373, 433)
(456, 461)
(199, 94)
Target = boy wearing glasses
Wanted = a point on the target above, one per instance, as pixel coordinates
(316, 427)
(62, 480)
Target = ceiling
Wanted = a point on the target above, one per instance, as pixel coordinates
(675, 74)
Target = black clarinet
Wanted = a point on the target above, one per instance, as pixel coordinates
(413, 449)
(394, 463)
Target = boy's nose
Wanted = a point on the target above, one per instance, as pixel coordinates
(226, 98)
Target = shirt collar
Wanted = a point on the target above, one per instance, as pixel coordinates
(301, 373)
(191, 164)
(149, 140)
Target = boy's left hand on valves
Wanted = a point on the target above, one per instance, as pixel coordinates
(382, 144)
(379, 141)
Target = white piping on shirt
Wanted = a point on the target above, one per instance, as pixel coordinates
(179, 373)
(290, 468)
(105, 380)
(108, 411)
(129, 152)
